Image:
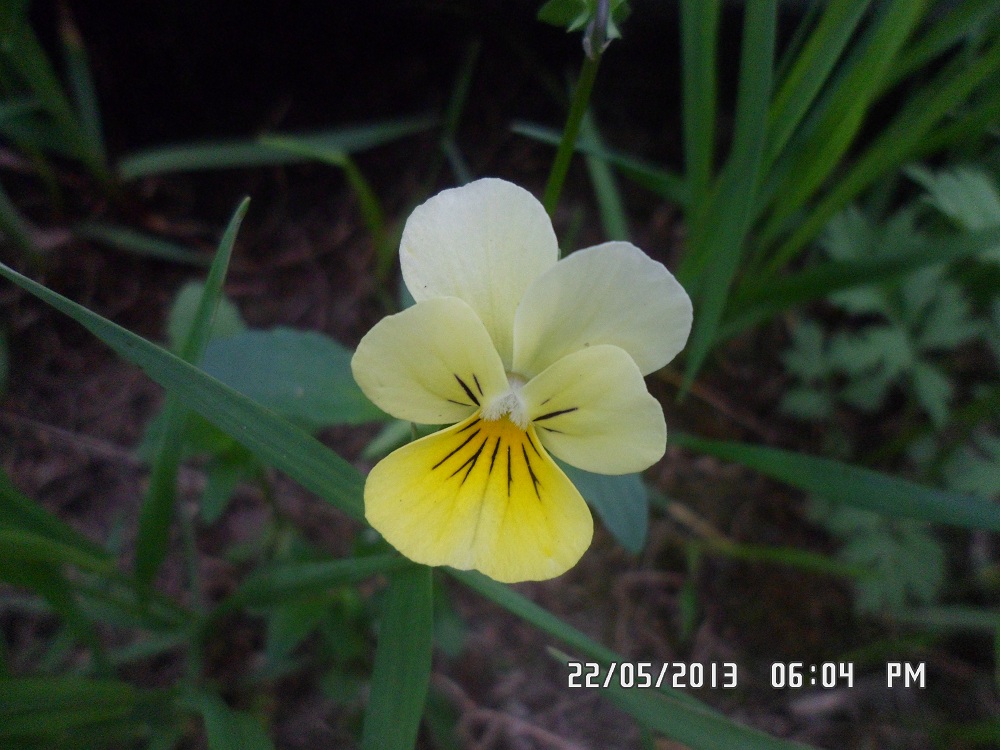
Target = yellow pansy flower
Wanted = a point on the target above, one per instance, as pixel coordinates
(525, 355)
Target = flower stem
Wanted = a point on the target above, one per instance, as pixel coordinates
(581, 98)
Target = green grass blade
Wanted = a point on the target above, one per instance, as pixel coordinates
(81, 85)
(702, 729)
(402, 663)
(951, 618)
(699, 37)
(759, 299)
(720, 226)
(139, 243)
(272, 439)
(241, 154)
(27, 546)
(907, 137)
(659, 181)
(810, 71)
(157, 511)
(368, 202)
(20, 510)
(681, 714)
(961, 20)
(854, 485)
(288, 582)
(15, 227)
(609, 199)
(813, 156)
(227, 729)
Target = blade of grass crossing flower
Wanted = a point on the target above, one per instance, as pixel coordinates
(680, 715)
(699, 36)
(241, 154)
(402, 662)
(854, 485)
(720, 226)
(908, 136)
(609, 199)
(666, 184)
(810, 70)
(81, 84)
(157, 511)
(269, 437)
(139, 243)
(838, 117)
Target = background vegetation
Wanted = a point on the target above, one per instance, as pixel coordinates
(189, 567)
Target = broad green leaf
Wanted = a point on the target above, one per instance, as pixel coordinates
(289, 582)
(402, 662)
(272, 439)
(304, 376)
(679, 715)
(157, 510)
(933, 391)
(228, 729)
(853, 485)
(621, 501)
(237, 154)
(139, 243)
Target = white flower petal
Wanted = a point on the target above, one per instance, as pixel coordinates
(483, 243)
(433, 363)
(592, 410)
(607, 294)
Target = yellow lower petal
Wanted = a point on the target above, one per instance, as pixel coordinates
(481, 495)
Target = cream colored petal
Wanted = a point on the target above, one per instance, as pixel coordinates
(592, 410)
(484, 243)
(433, 363)
(608, 294)
(481, 495)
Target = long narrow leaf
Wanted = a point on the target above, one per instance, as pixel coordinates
(82, 85)
(759, 299)
(227, 729)
(609, 199)
(157, 511)
(269, 437)
(666, 184)
(854, 485)
(810, 71)
(681, 716)
(132, 241)
(240, 154)
(699, 36)
(720, 226)
(402, 663)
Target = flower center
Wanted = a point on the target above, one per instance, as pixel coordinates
(509, 404)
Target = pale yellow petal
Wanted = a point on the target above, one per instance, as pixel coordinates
(592, 410)
(484, 243)
(481, 495)
(433, 363)
(608, 294)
